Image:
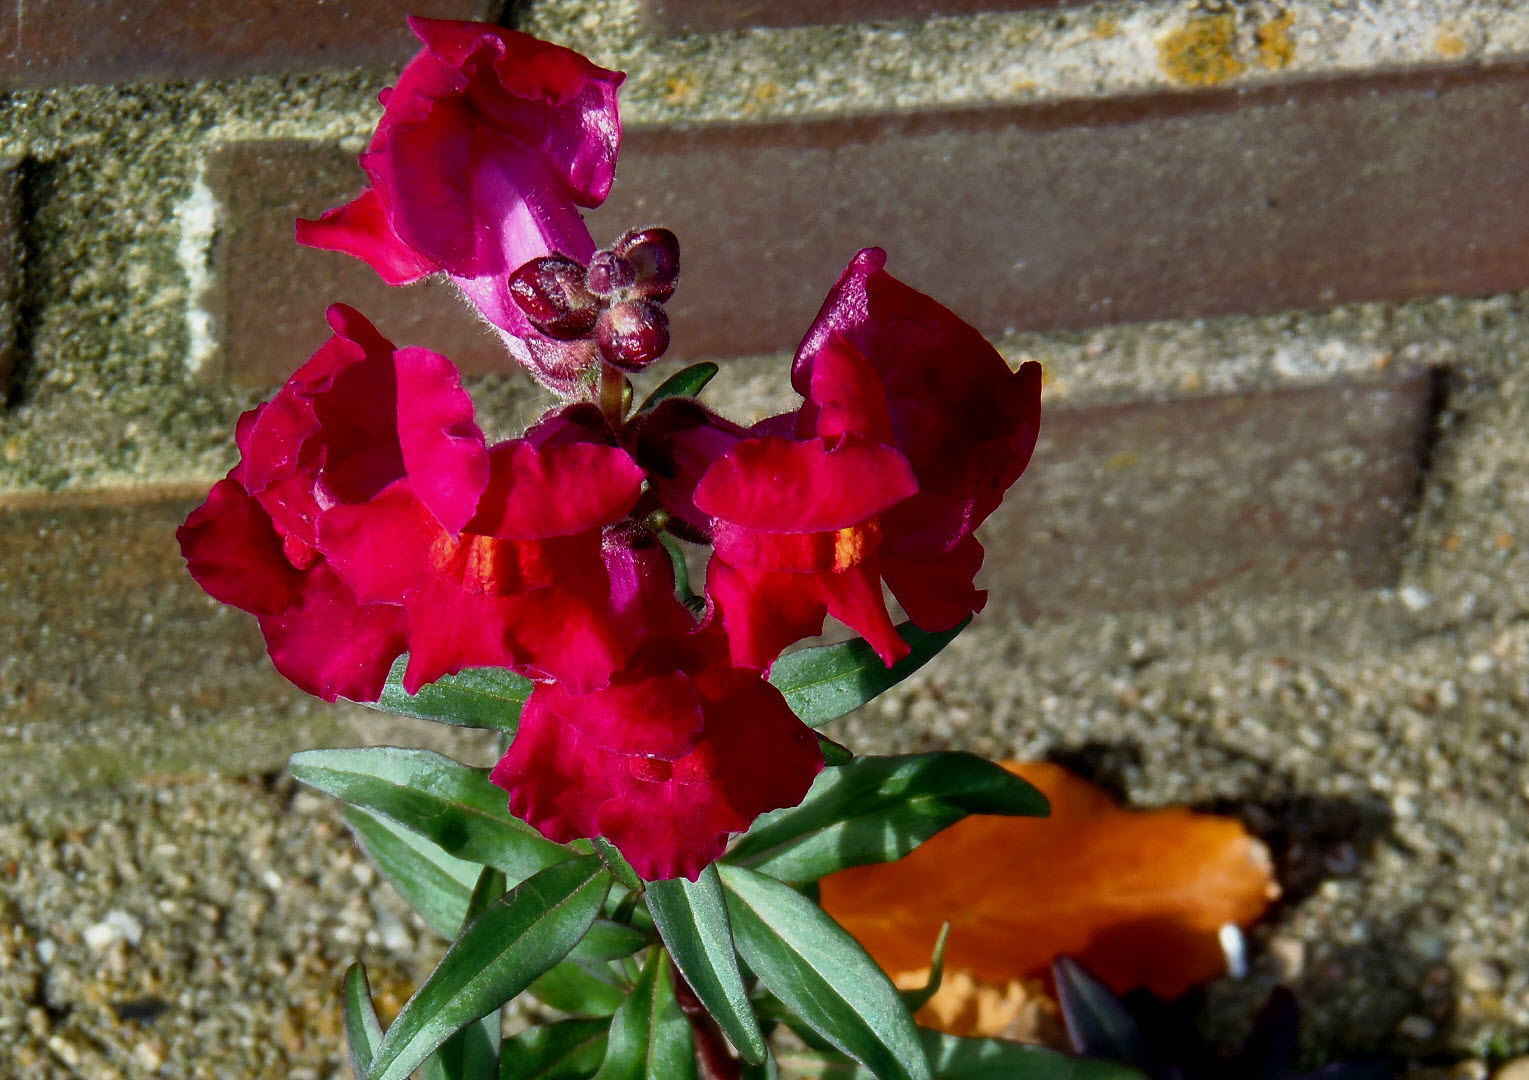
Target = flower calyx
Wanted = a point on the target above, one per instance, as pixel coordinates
(614, 303)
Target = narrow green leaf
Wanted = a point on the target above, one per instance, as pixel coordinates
(609, 940)
(580, 989)
(682, 589)
(473, 1052)
(478, 697)
(824, 683)
(454, 806)
(568, 1050)
(363, 1032)
(877, 809)
(823, 975)
(692, 920)
(522, 934)
(685, 383)
(650, 1037)
(834, 753)
(616, 863)
(435, 884)
(917, 999)
(957, 1058)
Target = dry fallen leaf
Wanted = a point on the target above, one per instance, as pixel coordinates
(1138, 897)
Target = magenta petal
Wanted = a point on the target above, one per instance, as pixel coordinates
(556, 778)
(380, 547)
(655, 715)
(570, 111)
(443, 451)
(330, 645)
(676, 443)
(847, 395)
(567, 637)
(451, 629)
(235, 554)
(754, 757)
(670, 819)
(557, 490)
(854, 598)
(775, 485)
(937, 592)
(360, 228)
(763, 612)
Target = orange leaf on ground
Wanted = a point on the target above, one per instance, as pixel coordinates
(1138, 897)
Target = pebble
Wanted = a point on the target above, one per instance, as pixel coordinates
(1518, 1069)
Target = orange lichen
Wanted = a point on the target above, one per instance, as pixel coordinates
(1139, 897)
(1202, 52)
(1276, 48)
(1449, 44)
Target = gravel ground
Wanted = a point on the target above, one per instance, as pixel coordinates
(193, 929)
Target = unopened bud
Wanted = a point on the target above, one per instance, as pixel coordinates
(633, 334)
(609, 273)
(551, 292)
(654, 255)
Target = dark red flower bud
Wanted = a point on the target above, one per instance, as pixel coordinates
(609, 273)
(551, 292)
(633, 333)
(655, 256)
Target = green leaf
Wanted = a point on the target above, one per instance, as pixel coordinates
(687, 383)
(454, 806)
(957, 1058)
(435, 884)
(580, 989)
(609, 940)
(478, 697)
(824, 683)
(823, 975)
(917, 999)
(568, 1050)
(616, 863)
(877, 809)
(650, 1037)
(363, 1032)
(692, 920)
(473, 1052)
(522, 934)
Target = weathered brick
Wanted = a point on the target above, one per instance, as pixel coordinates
(1075, 214)
(54, 42)
(707, 15)
(11, 267)
(271, 293)
(1035, 217)
(1163, 504)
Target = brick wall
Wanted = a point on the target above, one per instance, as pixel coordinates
(1273, 256)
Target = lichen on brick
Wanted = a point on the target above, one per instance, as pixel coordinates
(1202, 52)
(1276, 47)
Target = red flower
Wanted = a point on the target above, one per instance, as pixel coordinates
(329, 437)
(798, 536)
(522, 585)
(886, 362)
(487, 147)
(665, 762)
(913, 429)
(367, 515)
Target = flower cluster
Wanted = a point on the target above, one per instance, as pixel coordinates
(369, 516)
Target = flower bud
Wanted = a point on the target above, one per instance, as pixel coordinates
(654, 255)
(551, 292)
(609, 273)
(633, 333)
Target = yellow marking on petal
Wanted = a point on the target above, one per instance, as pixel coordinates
(853, 544)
